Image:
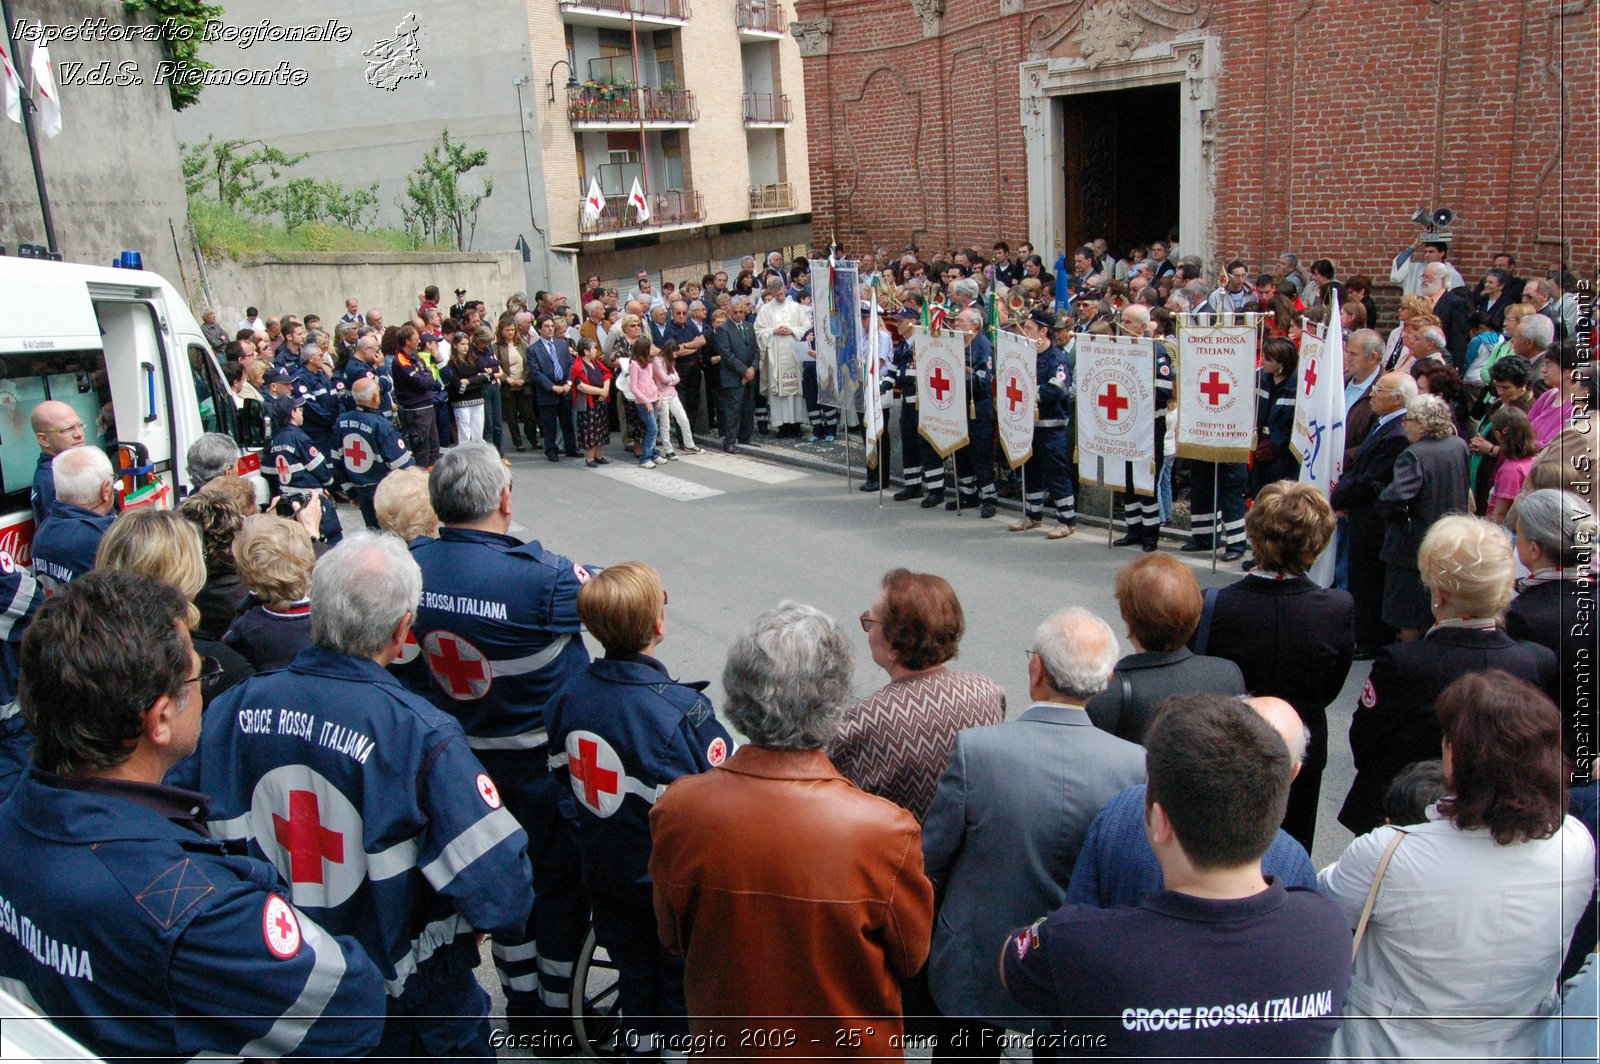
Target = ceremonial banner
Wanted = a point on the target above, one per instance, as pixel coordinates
(1116, 412)
(1016, 368)
(1216, 392)
(872, 373)
(838, 323)
(941, 390)
(1318, 436)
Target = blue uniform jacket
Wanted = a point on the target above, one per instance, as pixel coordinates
(144, 939)
(20, 596)
(65, 545)
(356, 370)
(377, 816)
(325, 400)
(43, 492)
(905, 370)
(299, 464)
(498, 633)
(980, 374)
(1055, 396)
(369, 447)
(619, 733)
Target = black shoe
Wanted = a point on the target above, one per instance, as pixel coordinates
(1130, 540)
(1363, 654)
(1192, 547)
(574, 454)
(752, 443)
(552, 458)
(1245, 567)
(868, 485)
(934, 499)
(520, 447)
(986, 508)
(729, 448)
(1233, 554)
(953, 504)
(908, 493)
(1151, 546)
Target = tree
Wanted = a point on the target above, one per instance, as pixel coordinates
(435, 205)
(308, 199)
(236, 175)
(183, 24)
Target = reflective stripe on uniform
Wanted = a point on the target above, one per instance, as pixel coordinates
(9, 710)
(327, 972)
(468, 846)
(629, 784)
(434, 937)
(27, 587)
(533, 662)
(529, 740)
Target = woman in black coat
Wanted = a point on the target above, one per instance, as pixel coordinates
(1291, 638)
(1430, 480)
(1467, 571)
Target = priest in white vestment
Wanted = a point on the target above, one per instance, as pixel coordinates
(780, 323)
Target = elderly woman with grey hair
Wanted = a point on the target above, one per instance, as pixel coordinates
(213, 455)
(1430, 480)
(774, 863)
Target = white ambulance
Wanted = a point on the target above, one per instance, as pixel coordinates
(120, 347)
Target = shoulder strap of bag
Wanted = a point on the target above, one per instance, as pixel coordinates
(1202, 635)
(1372, 894)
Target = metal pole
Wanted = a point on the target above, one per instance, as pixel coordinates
(33, 137)
(1111, 504)
(849, 481)
(1216, 506)
(1022, 474)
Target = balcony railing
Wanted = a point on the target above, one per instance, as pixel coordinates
(765, 108)
(647, 9)
(760, 16)
(627, 105)
(667, 208)
(778, 196)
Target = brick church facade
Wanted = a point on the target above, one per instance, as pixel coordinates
(1313, 126)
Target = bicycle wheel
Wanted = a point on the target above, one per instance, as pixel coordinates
(594, 1001)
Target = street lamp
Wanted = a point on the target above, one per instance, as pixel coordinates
(572, 78)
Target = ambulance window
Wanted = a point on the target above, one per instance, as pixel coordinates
(77, 378)
(216, 402)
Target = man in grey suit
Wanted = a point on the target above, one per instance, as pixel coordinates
(741, 360)
(1010, 817)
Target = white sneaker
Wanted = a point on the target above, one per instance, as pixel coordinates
(647, 464)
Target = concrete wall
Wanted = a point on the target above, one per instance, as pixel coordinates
(688, 259)
(392, 282)
(112, 176)
(472, 50)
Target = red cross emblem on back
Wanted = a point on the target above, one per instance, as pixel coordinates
(306, 840)
(458, 666)
(585, 769)
(1214, 388)
(1014, 393)
(938, 382)
(1113, 402)
(356, 456)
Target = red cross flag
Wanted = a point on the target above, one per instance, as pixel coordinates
(594, 202)
(311, 832)
(1216, 392)
(1016, 366)
(941, 389)
(1116, 412)
(640, 203)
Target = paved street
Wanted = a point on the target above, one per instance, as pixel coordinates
(733, 535)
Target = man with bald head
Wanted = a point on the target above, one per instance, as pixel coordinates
(1117, 865)
(58, 428)
(368, 445)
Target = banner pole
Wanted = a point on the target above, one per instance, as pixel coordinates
(848, 480)
(1022, 473)
(1111, 503)
(1216, 505)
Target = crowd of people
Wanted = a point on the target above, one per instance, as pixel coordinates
(406, 745)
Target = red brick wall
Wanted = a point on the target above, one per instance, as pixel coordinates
(1335, 120)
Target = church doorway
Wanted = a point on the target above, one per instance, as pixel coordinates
(1121, 156)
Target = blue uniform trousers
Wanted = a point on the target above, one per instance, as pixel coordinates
(1048, 472)
(975, 461)
(1224, 506)
(649, 979)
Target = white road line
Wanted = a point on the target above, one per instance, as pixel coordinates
(657, 482)
(743, 468)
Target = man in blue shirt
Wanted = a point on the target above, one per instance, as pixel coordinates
(65, 545)
(58, 428)
(147, 939)
(20, 597)
(1221, 964)
(1117, 865)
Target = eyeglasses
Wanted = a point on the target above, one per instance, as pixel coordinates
(1029, 653)
(867, 621)
(210, 672)
(663, 596)
(68, 430)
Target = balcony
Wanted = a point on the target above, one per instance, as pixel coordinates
(591, 106)
(765, 110)
(760, 20)
(669, 209)
(766, 199)
(618, 14)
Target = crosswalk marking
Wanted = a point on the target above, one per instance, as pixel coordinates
(743, 468)
(657, 482)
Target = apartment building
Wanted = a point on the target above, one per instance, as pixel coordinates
(699, 101)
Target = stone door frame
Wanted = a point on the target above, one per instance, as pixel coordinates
(1194, 65)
